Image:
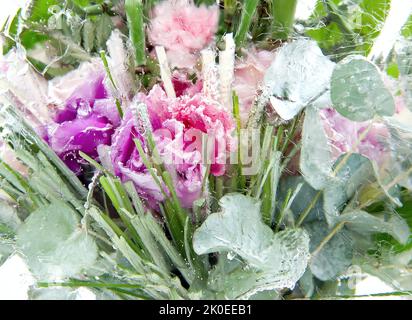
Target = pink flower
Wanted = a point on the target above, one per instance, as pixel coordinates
(178, 125)
(183, 86)
(183, 29)
(89, 117)
(343, 135)
(249, 73)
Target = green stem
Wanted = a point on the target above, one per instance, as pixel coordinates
(248, 12)
(219, 187)
(134, 14)
(283, 12)
(283, 210)
(309, 208)
(334, 231)
(109, 74)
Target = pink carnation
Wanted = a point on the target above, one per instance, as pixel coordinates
(183, 29)
(343, 135)
(249, 73)
(178, 125)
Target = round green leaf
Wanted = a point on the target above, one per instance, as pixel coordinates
(53, 244)
(358, 92)
(335, 257)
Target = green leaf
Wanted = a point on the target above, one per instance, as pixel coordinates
(134, 13)
(305, 196)
(248, 12)
(30, 147)
(327, 36)
(374, 13)
(307, 284)
(299, 75)
(54, 245)
(11, 30)
(352, 175)
(316, 156)
(358, 91)
(40, 10)
(336, 255)
(104, 27)
(365, 223)
(401, 137)
(82, 3)
(406, 210)
(407, 28)
(280, 259)
(230, 279)
(393, 70)
(283, 13)
(88, 35)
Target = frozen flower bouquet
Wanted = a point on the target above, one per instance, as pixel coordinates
(206, 150)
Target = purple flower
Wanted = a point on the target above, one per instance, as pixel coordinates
(88, 120)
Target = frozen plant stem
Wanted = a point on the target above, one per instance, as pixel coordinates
(134, 14)
(334, 231)
(165, 72)
(226, 71)
(335, 172)
(248, 12)
(283, 12)
(309, 208)
(109, 74)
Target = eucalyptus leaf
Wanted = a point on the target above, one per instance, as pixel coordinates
(229, 280)
(352, 175)
(401, 149)
(305, 196)
(279, 259)
(54, 245)
(358, 91)
(384, 181)
(365, 223)
(316, 157)
(299, 75)
(307, 284)
(336, 255)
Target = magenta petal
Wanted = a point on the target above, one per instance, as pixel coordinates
(82, 134)
(123, 147)
(89, 92)
(107, 108)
